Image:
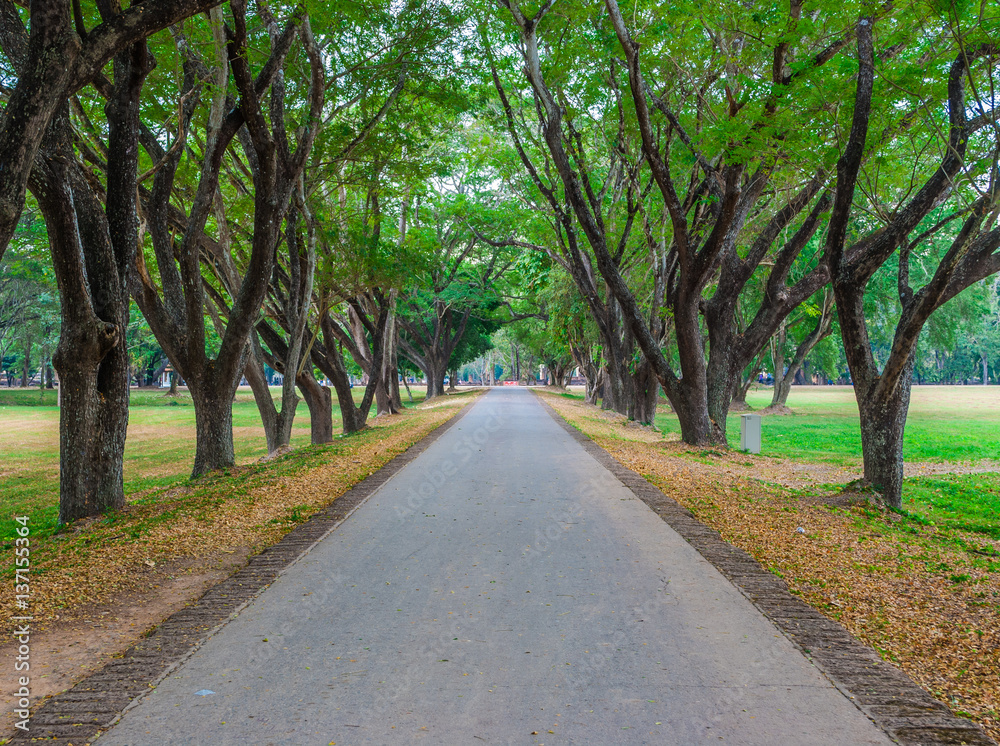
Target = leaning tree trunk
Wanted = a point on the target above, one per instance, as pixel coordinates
(783, 386)
(351, 419)
(254, 373)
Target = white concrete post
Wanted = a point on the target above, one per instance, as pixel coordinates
(750, 432)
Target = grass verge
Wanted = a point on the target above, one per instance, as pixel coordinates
(920, 587)
(159, 450)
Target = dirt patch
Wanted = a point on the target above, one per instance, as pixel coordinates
(926, 602)
(779, 410)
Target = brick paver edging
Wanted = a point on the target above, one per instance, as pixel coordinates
(76, 715)
(907, 713)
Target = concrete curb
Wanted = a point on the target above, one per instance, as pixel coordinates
(95, 703)
(890, 698)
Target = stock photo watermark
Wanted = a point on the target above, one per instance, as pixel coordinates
(22, 622)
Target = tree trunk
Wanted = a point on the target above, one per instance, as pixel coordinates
(254, 373)
(595, 385)
(286, 417)
(351, 420)
(213, 416)
(739, 402)
(883, 421)
(783, 386)
(90, 260)
(697, 427)
(557, 375)
(92, 419)
(26, 366)
(618, 388)
(387, 400)
(320, 403)
(452, 378)
(720, 389)
(383, 402)
(392, 371)
(173, 383)
(434, 371)
(646, 387)
(592, 389)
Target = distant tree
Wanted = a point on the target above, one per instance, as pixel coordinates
(453, 281)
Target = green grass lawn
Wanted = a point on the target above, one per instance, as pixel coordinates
(966, 502)
(159, 451)
(946, 423)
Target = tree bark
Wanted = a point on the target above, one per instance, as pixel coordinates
(256, 377)
(646, 388)
(883, 422)
(213, 412)
(434, 371)
(90, 463)
(320, 403)
(93, 247)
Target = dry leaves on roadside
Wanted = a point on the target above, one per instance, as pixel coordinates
(923, 603)
(100, 559)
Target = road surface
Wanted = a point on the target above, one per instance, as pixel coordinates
(503, 588)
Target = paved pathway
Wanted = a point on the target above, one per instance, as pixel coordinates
(504, 588)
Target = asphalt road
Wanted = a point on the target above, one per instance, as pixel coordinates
(504, 588)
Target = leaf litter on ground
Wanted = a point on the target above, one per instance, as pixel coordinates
(925, 597)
